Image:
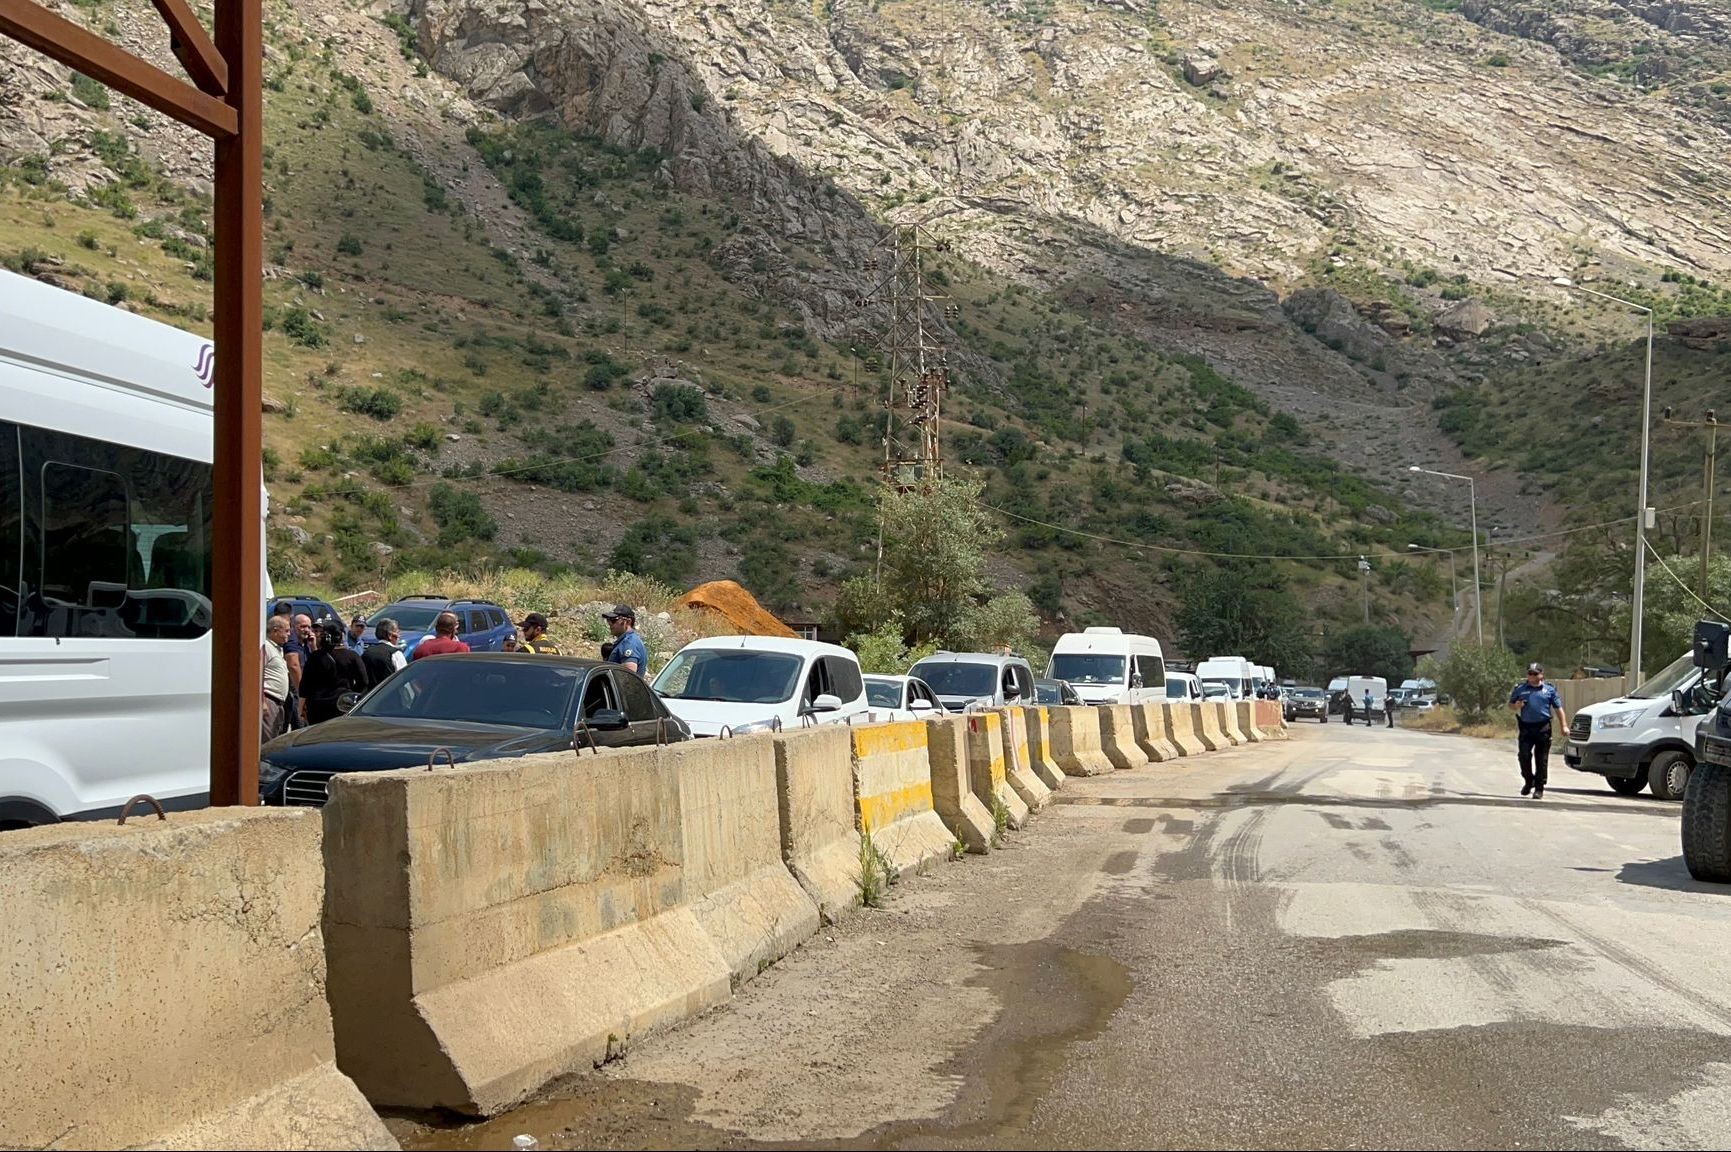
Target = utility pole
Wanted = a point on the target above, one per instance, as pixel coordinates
(1364, 585)
(1711, 424)
(918, 360)
(1502, 583)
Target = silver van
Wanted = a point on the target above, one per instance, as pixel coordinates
(976, 680)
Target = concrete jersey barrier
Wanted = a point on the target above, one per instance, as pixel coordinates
(1226, 718)
(1151, 732)
(893, 786)
(736, 882)
(952, 788)
(1244, 715)
(165, 987)
(1040, 755)
(1075, 735)
(1271, 719)
(494, 927)
(819, 820)
(1181, 721)
(1208, 725)
(1118, 736)
(985, 742)
(1018, 761)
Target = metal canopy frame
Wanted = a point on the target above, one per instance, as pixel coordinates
(224, 101)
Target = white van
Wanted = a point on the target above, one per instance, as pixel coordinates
(105, 558)
(1357, 686)
(1641, 740)
(1237, 674)
(1109, 666)
(747, 684)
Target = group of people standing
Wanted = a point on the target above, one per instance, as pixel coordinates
(307, 669)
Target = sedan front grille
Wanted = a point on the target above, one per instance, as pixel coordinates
(1581, 727)
(307, 789)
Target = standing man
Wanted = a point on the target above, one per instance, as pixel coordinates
(534, 627)
(444, 639)
(357, 638)
(385, 657)
(273, 704)
(629, 651)
(1388, 706)
(1369, 702)
(295, 651)
(1533, 704)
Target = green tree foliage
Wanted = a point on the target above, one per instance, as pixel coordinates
(659, 548)
(936, 537)
(883, 650)
(680, 403)
(1368, 650)
(1668, 624)
(1244, 609)
(459, 515)
(1479, 678)
(1008, 618)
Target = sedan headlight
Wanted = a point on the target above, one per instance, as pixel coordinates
(269, 775)
(770, 725)
(1623, 719)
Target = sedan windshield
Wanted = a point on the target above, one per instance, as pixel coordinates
(409, 617)
(1088, 668)
(730, 675)
(526, 694)
(954, 678)
(1306, 693)
(883, 693)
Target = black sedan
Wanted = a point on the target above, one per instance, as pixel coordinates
(483, 706)
(1056, 692)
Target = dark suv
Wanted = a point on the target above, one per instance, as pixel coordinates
(481, 624)
(312, 606)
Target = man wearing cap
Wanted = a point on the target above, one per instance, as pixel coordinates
(1533, 704)
(357, 638)
(534, 629)
(628, 649)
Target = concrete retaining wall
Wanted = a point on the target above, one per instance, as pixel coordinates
(893, 786)
(1040, 755)
(1244, 716)
(1181, 721)
(952, 791)
(165, 987)
(1226, 712)
(736, 884)
(495, 927)
(1271, 719)
(819, 834)
(1018, 761)
(1118, 736)
(985, 742)
(1076, 741)
(1151, 733)
(1208, 726)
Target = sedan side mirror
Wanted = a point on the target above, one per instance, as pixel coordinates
(828, 702)
(607, 720)
(920, 706)
(347, 701)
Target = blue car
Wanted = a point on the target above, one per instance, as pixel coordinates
(481, 624)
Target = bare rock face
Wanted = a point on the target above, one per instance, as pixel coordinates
(1701, 331)
(1467, 320)
(1333, 319)
(1201, 69)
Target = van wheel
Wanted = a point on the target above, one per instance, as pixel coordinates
(1707, 823)
(1629, 787)
(1669, 775)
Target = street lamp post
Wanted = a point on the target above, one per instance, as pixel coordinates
(1639, 599)
(1473, 501)
(1454, 585)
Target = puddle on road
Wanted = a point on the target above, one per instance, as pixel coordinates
(1052, 998)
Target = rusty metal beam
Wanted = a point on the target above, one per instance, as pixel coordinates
(192, 47)
(238, 464)
(55, 36)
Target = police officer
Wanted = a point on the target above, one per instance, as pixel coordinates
(534, 627)
(629, 651)
(1533, 704)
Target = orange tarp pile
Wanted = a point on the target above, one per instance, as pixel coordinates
(738, 607)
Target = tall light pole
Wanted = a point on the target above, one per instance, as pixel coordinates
(1454, 585)
(1639, 599)
(1364, 585)
(1473, 501)
(1712, 426)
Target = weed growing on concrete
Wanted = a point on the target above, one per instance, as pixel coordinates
(958, 848)
(1000, 820)
(872, 880)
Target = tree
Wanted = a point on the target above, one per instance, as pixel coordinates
(883, 652)
(1008, 618)
(1241, 609)
(1479, 678)
(1668, 624)
(936, 536)
(1369, 650)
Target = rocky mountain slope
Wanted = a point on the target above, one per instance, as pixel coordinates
(605, 266)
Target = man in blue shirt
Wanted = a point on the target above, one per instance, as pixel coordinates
(1533, 704)
(357, 637)
(628, 649)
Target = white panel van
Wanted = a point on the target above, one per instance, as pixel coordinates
(1109, 666)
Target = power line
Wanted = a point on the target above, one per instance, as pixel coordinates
(1717, 612)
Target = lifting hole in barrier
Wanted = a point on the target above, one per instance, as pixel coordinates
(155, 804)
(450, 760)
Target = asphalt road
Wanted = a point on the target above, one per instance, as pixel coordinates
(1356, 938)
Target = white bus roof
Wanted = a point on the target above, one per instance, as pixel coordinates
(1109, 640)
